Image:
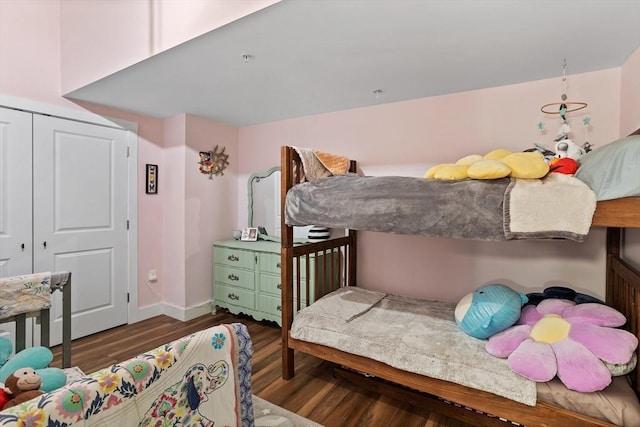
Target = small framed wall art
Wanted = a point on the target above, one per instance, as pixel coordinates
(249, 234)
(152, 179)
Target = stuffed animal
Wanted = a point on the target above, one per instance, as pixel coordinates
(4, 397)
(565, 165)
(580, 343)
(567, 148)
(561, 292)
(24, 384)
(6, 348)
(496, 164)
(489, 310)
(37, 358)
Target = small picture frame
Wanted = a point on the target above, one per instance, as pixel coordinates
(249, 234)
(152, 179)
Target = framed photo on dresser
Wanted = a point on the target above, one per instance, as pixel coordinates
(249, 234)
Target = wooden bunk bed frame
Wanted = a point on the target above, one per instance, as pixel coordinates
(622, 293)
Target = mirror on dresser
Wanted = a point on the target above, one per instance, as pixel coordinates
(263, 193)
(247, 274)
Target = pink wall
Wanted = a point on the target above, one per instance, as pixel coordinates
(92, 47)
(197, 210)
(178, 23)
(464, 123)
(630, 95)
(172, 186)
(210, 210)
(400, 136)
(30, 50)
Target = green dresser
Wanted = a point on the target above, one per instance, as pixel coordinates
(246, 277)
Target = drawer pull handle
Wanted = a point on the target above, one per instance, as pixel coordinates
(233, 277)
(279, 286)
(233, 297)
(232, 257)
(278, 265)
(279, 308)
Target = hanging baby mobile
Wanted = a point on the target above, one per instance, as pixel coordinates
(564, 146)
(213, 162)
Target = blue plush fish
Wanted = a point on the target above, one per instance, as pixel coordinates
(489, 310)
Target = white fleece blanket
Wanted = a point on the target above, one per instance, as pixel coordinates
(414, 335)
(558, 205)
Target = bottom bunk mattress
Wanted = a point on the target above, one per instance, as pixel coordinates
(421, 336)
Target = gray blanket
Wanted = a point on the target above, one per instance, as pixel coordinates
(558, 206)
(468, 209)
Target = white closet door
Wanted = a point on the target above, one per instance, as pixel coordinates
(15, 193)
(80, 219)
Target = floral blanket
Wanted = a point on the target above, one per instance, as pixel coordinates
(200, 380)
(24, 294)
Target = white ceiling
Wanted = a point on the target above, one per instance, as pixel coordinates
(316, 56)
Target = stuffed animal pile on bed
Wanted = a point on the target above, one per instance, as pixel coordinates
(576, 339)
(497, 164)
(501, 163)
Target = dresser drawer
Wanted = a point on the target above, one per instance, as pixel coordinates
(271, 305)
(235, 277)
(234, 258)
(271, 284)
(231, 295)
(270, 263)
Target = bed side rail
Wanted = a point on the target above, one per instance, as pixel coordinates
(623, 291)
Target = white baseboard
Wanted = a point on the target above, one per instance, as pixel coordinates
(187, 313)
(180, 313)
(147, 312)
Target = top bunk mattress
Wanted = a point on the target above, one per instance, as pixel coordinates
(556, 206)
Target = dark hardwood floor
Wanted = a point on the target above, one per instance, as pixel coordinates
(316, 392)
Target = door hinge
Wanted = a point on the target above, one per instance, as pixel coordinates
(127, 151)
(127, 297)
(127, 224)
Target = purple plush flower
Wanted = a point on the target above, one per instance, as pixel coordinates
(561, 338)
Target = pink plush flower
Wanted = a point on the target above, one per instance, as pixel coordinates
(561, 338)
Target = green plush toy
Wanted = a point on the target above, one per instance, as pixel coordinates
(37, 358)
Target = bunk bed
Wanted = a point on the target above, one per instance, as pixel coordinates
(622, 293)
